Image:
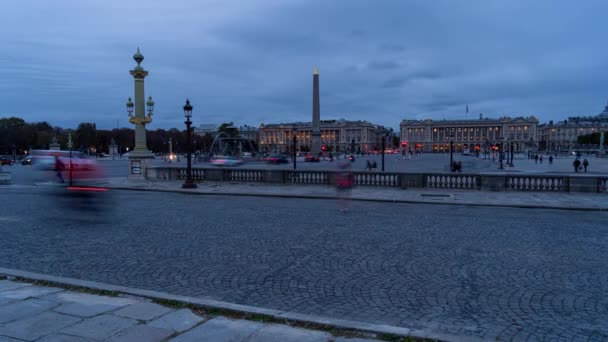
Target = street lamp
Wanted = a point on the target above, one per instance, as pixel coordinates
(130, 106)
(452, 152)
(188, 184)
(511, 150)
(293, 132)
(500, 152)
(70, 147)
(383, 147)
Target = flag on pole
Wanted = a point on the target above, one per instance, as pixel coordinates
(467, 109)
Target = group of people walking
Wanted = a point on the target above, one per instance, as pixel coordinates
(578, 166)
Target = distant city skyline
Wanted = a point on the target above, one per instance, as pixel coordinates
(68, 61)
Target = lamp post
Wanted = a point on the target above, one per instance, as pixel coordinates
(188, 184)
(452, 152)
(511, 150)
(500, 152)
(294, 140)
(70, 147)
(383, 147)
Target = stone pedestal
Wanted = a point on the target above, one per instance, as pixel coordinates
(584, 184)
(5, 178)
(493, 182)
(138, 166)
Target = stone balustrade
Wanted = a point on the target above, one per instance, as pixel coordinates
(493, 181)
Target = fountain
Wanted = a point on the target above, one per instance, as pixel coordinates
(238, 147)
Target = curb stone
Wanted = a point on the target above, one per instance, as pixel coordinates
(359, 199)
(304, 319)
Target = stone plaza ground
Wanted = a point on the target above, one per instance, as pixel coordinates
(481, 268)
(468, 272)
(42, 313)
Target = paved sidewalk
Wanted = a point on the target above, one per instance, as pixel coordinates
(40, 313)
(521, 199)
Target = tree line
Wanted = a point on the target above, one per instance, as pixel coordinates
(18, 136)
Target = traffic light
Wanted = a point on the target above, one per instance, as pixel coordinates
(323, 148)
(403, 143)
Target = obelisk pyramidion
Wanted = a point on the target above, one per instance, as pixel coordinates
(316, 115)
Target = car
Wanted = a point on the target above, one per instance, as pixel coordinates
(226, 161)
(26, 161)
(276, 159)
(311, 158)
(4, 160)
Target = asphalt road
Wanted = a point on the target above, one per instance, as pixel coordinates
(499, 274)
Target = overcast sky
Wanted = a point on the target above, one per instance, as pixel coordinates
(251, 62)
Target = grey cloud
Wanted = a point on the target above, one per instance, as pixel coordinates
(249, 62)
(383, 65)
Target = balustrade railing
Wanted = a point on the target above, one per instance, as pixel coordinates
(536, 183)
(452, 181)
(242, 175)
(377, 179)
(464, 181)
(602, 185)
(308, 177)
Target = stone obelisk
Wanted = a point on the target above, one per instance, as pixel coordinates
(316, 115)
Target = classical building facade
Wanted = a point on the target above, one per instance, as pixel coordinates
(250, 133)
(203, 129)
(563, 135)
(336, 136)
(435, 135)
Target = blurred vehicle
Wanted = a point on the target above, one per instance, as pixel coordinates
(247, 154)
(276, 159)
(351, 158)
(4, 160)
(226, 161)
(311, 158)
(26, 161)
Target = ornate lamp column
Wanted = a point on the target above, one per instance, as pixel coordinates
(189, 183)
(140, 157)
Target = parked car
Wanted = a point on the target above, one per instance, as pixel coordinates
(311, 158)
(276, 159)
(4, 160)
(226, 161)
(26, 161)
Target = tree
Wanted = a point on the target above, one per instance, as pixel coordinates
(86, 136)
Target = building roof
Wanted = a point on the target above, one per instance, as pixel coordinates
(530, 119)
(340, 122)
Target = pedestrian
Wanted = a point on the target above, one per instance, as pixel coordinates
(344, 184)
(374, 165)
(550, 160)
(536, 158)
(577, 164)
(585, 164)
(368, 165)
(59, 168)
(541, 159)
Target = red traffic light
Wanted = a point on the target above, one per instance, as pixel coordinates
(323, 147)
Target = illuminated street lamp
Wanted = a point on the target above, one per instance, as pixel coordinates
(452, 151)
(384, 137)
(294, 131)
(188, 184)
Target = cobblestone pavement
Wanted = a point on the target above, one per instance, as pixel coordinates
(37, 313)
(493, 273)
